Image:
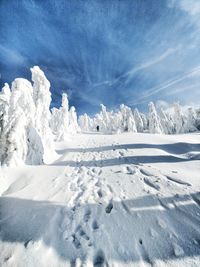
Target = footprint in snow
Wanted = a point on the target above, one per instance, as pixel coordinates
(121, 153)
(109, 208)
(100, 193)
(178, 181)
(110, 188)
(178, 251)
(99, 259)
(95, 225)
(87, 215)
(152, 184)
(128, 170)
(76, 242)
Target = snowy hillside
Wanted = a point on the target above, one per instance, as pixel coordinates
(108, 200)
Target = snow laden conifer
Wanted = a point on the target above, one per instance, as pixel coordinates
(166, 122)
(25, 133)
(154, 120)
(191, 120)
(60, 119)
(128, 121)
(20, 142)
(84, 123)
(179, 119)
(197, 120)
(64, 120)
(73, 121)
(145, 121)
(4, 106)
(138, 121)
(42, 100)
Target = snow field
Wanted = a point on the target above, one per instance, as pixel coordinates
(108, 200)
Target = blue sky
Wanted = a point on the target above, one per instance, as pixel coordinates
(105, 51)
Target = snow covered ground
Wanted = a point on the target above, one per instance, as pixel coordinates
(108, 200)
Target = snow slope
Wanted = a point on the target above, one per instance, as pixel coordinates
(109, 200)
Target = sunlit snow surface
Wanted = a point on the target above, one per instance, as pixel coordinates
(109, 200)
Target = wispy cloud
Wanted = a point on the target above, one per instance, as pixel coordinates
(11, 55)
(149, 63)
(162, 87)
(153, 61)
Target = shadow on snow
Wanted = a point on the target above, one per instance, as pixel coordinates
(148, 225)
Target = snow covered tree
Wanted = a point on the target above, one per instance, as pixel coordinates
(179, 119)
(138, 121)
(144, 120)
(4, 106)
(190, 120)
(73, 121)
(60, 119)
(42, 100)
(154, 120)
(127, 121)
(84, 122)
(197, 120)
(20, 142)
(64, 121)
(166, 122)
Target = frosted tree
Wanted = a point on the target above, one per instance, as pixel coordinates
(191, 120)
(84, 122)
(166, 122)
(131, 124)
(21, 142)
(154, 120)
(117, 122)
(4, 106)
(125, 120)
(60, 120)
(138, 121)
(105, 120)
(73, 121)
(42, 100)
(55, 121)
(197, 120)
(179, 119)
(144, 120)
